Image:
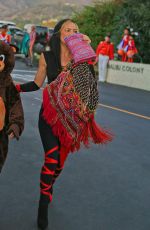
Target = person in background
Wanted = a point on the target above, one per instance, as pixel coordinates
(31, 44)
(25, 46)
(104, 52)
(131, 50)
(123, 45)
(4, 35)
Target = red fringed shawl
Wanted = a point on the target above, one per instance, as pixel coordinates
(69, 103)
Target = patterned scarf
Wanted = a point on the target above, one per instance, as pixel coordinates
(69, 104)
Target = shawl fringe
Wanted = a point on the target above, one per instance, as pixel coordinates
(92, 131)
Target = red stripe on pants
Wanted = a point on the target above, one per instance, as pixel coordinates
(48, 171)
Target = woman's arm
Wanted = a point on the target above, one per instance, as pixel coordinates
(38, 80)
(41, 73)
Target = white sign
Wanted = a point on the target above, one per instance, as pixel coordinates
(126, 68)
(134, 75)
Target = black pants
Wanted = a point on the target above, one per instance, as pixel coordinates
(51, 167)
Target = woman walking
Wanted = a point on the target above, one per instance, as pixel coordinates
(66, 117)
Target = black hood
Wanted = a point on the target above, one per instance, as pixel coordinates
(55, 41)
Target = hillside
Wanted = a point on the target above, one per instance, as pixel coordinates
(37, 10)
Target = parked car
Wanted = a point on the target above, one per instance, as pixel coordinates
(42, 35)
(16, 36)
(14, 30)
(27, 27)
(7, 23)
(51, 31)
(42, 39)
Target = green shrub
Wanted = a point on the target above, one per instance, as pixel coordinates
(112, 17)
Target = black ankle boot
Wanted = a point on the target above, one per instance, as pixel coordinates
(42, 219)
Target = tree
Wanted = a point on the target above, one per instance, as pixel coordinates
(97, 20)
(112, 17)
(136, 16)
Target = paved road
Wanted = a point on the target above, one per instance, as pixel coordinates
(102, 188)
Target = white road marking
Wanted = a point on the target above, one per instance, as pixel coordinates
(38, 99)
(23, 77)
(25, 71)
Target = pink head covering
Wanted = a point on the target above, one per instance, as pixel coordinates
(80, 49)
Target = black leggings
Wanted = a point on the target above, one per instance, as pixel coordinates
(51, 167)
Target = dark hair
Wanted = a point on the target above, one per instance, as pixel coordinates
(128, 29)
(4, 26)
(107, 36)
(60, 23)
(55, 40)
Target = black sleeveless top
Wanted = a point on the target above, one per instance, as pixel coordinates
(53, 68)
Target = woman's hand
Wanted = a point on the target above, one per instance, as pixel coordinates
(11, 136)
(86, 38)
(96, 61)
